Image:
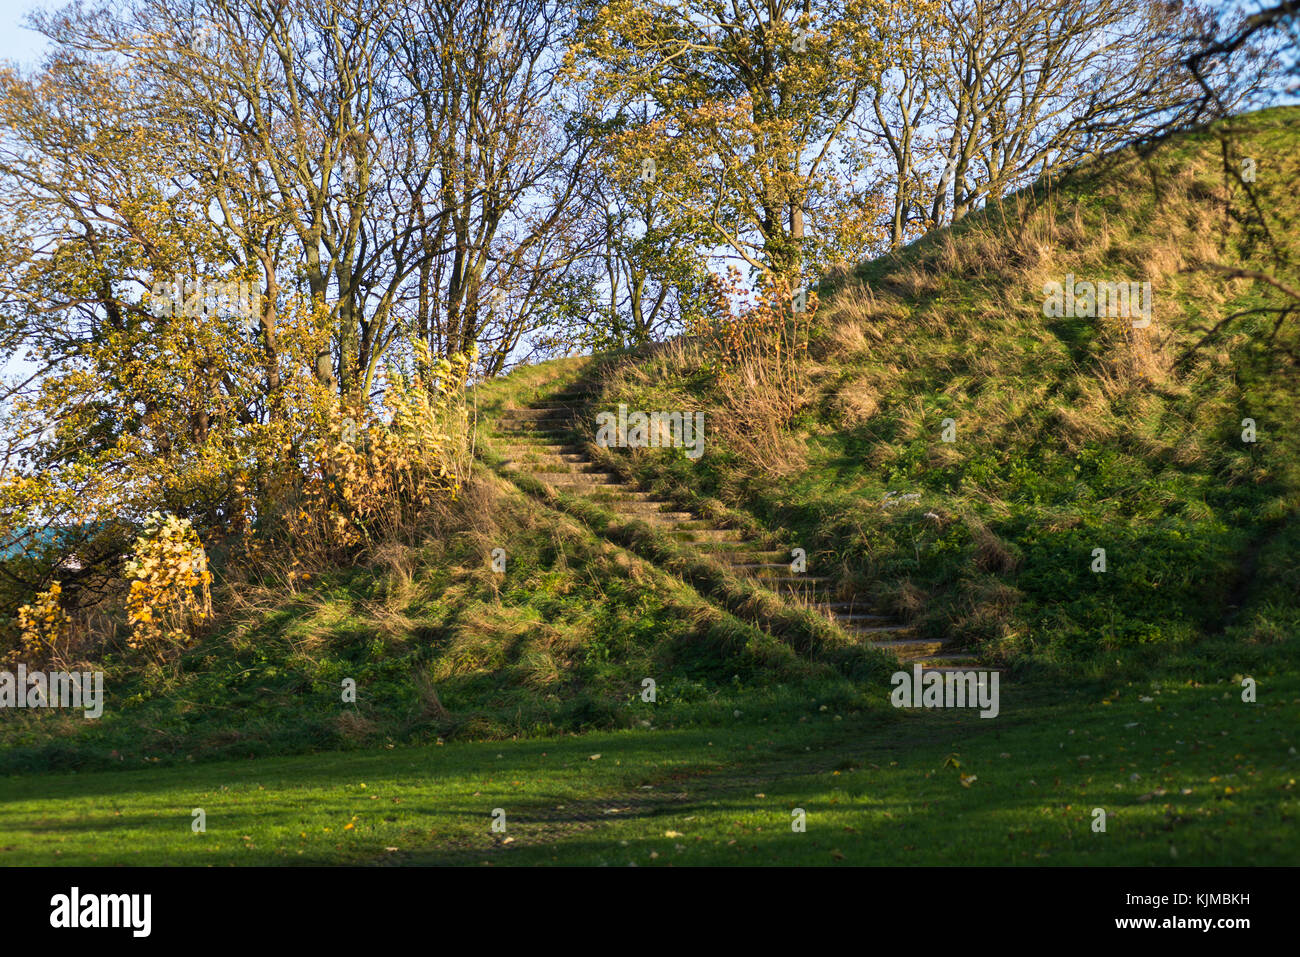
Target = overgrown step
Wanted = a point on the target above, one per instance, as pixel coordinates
(725, 550)
(802, 586)
(705, 525)
(664, 521)
(634, 507)
(577, 478)
(542, 448)
(552, 465)
(850, 609)
(554, 414)
(766, 570)
(544, 430)
(857, 619)
(693, 535)
(531, 422)
(869, 631)
(750, 558)
(545, 441)
(553, 406)
(578, 462)
(904, 650)
(627, 493)
(941, 662)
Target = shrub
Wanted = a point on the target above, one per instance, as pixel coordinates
(44, 626)
(377, 475)
(763, 377)
(169, 585)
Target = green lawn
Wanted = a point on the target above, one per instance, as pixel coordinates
(1187, 773)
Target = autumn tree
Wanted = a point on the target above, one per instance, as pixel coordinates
(164, 156)
(1240, 58)
(502, 219)
(745, 106)
(990, 95)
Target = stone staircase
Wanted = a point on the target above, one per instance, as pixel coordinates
(547, 442)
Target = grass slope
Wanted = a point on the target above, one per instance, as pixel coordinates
(440, 647)
(1071, 434)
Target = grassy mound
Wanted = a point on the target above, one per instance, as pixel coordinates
(439, 646)
(1068, 434)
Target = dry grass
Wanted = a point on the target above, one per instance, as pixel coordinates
(757, 406)
(1078, 425)
(991, 553)
(985, 611)
(431, 707)
(355, 727)
(857, 401)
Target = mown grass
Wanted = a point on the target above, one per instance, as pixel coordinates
(1186, 772)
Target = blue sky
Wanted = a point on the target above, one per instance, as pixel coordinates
(17, 43)
(23, 46)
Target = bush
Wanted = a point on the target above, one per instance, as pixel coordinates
(169, 585)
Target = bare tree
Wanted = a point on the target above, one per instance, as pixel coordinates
(989, 95)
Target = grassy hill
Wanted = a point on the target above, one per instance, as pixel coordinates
(1122, 688)
(440, 646)
(1071, 434)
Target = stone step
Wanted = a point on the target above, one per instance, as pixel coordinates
(564, 447)
(909, 650)
(857, 616)
(667, 522)
(570, 458)
(552, 468)
(516, 416)
(800, 587)
(692, 536)
(565, 400)
(520, 451)
(530, 426)
(557, 414)
(766, 569)
(867, 631)
(553, 404)
(950, 662)
(722, 549)
(535, 427)
(523, 416)
(627, 494)
(647, 508)
(517, 445)
(704, 524)
(540, 430)
(657, 518)
(577, 478)
(750, 558)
